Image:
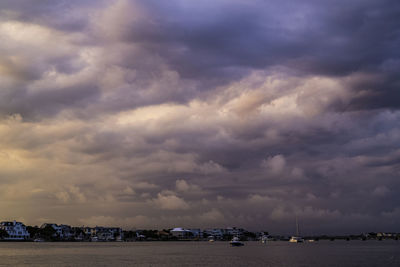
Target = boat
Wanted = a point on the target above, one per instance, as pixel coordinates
(264, 239)
(94, 239)
(38, 240)
(296, 238)
(235, 242)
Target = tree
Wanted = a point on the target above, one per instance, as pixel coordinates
(150, 234)
(33, 231)
(129, 234)
(227, 237)
(3, 233)
(47, 233)
(249, 236)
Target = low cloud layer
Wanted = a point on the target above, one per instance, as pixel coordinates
(218, 113)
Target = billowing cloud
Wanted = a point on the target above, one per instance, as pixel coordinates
(200, 114)
(169, 201)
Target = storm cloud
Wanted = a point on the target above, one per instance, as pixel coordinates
(200, 114)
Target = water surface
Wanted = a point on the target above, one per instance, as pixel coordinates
(285, 254)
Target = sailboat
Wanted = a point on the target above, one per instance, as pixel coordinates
(297, 238)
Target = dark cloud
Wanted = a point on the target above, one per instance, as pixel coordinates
(59, 14)
(325, 38)
(330, 38)
(215, 44)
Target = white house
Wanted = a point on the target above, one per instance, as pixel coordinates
(180, 233)
(61, 231)
(15, 230)
(100, 233)
(109, 233)
(219, 233)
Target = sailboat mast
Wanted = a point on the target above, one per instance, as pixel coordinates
(297, 227)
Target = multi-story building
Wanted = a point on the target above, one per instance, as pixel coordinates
(66, 231)
(109, 233)
(233, 231)
(100, 233)
(15, 230)
(215, 233)
(62, 231)
(220, 233)
(196, 233)
(182, 233)
(57, 229)
(89, 231)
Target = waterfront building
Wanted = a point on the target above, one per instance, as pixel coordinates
(66, 231)
(196, 233)
(233, 231)
(109, 233)
(100, 233)
(89, 231)
(221, 233)
(215, 232)
(62, 231)
(57, 229)
(180, 233)
(15, 230)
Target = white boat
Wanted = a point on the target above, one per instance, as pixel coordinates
(235, 242)
(38, 240)
(264, 239)
(296, 238)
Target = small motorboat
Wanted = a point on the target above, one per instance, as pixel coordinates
(264, 239)
(235, 242)
(94, 239)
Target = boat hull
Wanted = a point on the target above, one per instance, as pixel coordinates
(296, 239)
(237, 244)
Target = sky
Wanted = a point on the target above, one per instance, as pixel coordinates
(159, 114)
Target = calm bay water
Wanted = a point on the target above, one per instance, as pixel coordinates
(285, 254)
